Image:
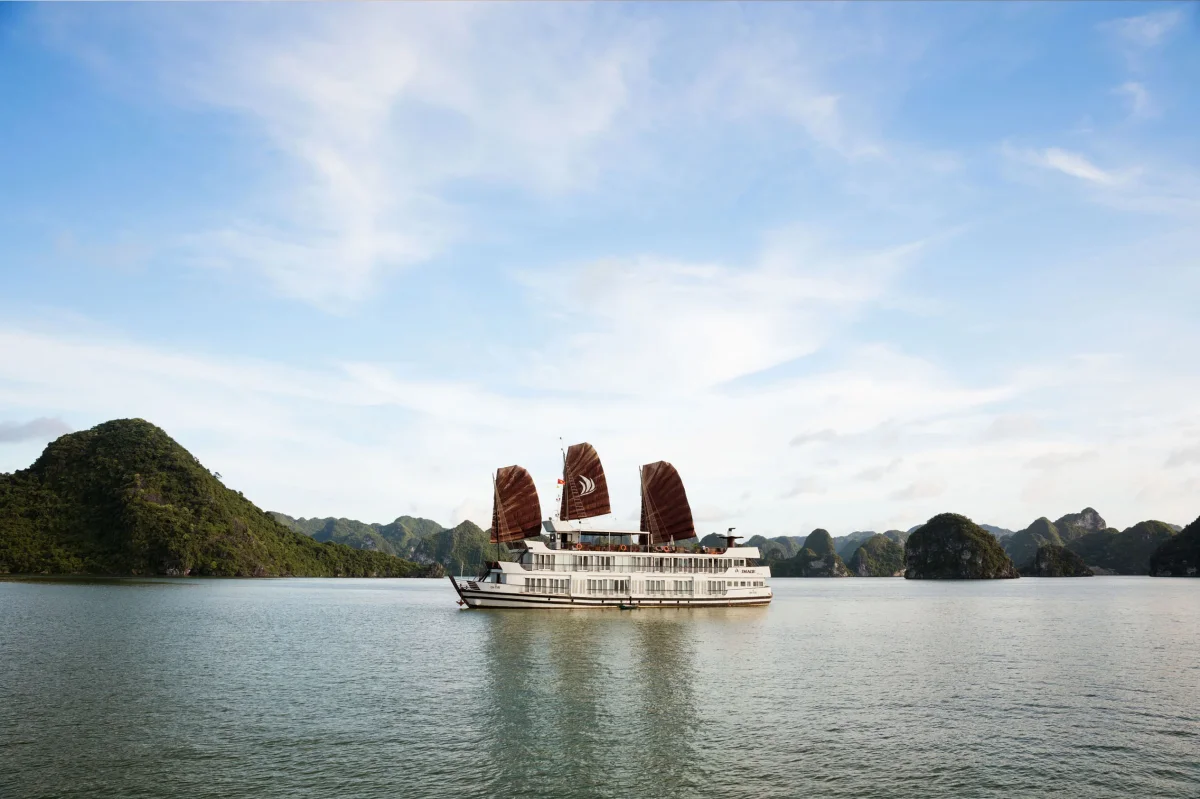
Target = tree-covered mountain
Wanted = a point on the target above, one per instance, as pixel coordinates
(846, 545)
(878, 556)
(817, 558)
(125, 498)
(820, 542)
(1053, 560)
(1023, 545)
(1125, 552)
(807, 563)
(1179, 556)
(952, 547)
(461, 550)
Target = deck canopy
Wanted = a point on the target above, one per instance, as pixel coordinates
(666, 514)
(585, 489)
(516, 510)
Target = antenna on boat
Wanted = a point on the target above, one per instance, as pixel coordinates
(499, 514)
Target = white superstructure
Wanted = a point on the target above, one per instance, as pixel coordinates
(571, 573)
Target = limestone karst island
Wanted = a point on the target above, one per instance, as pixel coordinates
(123, 498)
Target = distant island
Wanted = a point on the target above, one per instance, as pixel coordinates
(123, 498)
(462, 549)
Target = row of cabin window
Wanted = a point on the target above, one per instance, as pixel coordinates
(608, 586)
(551, 585)
(640, 563)
(547, 585)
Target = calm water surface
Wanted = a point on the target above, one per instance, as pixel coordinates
(383, 688)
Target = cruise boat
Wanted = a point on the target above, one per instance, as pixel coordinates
(572, 565)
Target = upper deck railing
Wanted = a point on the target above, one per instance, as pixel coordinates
(655, 566)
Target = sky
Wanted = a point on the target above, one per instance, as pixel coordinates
(844, 265)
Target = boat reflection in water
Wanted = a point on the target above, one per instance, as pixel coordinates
(584, 704)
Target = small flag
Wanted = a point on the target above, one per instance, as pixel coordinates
(560, 481)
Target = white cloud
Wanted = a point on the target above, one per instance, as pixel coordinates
(43, 429)
(373, 114)
(366, 440)
(1147, 30)
(1073, 164)
(1183, 456)
(1140, 104)
(875, 473)
(921, 489)
(653, 326)
(369, 125)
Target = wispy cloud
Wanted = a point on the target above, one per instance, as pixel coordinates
(1052, 461)
(876, 473)
(818, 437)
(655, 325)
(807, 485)
(1071, 163)
(1138, 97)
(921, 489)
(41, 429)
(1183, 456)
(1147, 30)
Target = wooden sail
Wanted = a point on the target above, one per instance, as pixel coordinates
(666, 514)
(516, 511)
(585, 489)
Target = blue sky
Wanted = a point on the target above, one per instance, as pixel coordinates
(845, 265)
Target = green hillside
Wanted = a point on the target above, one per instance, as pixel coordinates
(878, 556)
(125, 498)
(820, 542)
(952, 547)
(1179, 556)
(1053, 560)
(1125, 552)
(460, 550)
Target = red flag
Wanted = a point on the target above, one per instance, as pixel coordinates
(560, 481)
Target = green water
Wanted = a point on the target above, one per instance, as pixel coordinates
(361, 688)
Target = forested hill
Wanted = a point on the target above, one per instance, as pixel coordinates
(462, 549)
(125, 498)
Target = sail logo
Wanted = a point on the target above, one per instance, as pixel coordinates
(586, 486)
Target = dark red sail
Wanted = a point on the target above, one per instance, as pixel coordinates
(516, 511)
(585, 489)
(666, 514)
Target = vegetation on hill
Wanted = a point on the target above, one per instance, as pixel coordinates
(1125, 552)
(878, 556)
(1179, 556)
(820, 542)
(767, 548)
(1053, 560)
(807, 563)
(1023, 545)
(124, 498)
(952, 547)
(461, 550)
(846, 545)
(999, 532)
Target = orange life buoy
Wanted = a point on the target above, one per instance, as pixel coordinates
(578, 545)
(622, 548)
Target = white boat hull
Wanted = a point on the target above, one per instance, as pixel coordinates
(494, 596)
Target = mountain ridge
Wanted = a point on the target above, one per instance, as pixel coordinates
(125, 498)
